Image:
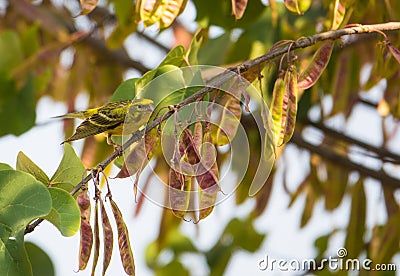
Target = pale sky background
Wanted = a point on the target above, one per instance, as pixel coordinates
(284, 238)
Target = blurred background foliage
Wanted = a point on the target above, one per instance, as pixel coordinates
(48, 49)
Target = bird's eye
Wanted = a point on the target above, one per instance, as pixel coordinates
(139, 106)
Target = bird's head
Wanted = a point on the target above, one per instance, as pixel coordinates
(142, 105)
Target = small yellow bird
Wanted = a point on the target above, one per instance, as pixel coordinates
(112, 118)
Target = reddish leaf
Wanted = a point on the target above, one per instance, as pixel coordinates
(394, 51)
(318, 64)
(86, 240)
(96, 238)
(123, 241)
(238, 8)
(108, 237)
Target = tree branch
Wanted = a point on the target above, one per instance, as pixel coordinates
(382, 153)
(241, 69)
(344, 161)
(58, 25)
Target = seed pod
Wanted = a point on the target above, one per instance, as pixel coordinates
(178, 192)
(125, 250)
(318, 64)
(208, 181)
(292, 92)
(108, 237)
(96, 237)
(277, 109)
(86, 242)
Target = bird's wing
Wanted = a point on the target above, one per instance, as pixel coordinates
(86, 129)
(110, 115)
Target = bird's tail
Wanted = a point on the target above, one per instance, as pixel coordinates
(78, 114)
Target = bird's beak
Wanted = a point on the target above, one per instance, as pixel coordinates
(151, 107)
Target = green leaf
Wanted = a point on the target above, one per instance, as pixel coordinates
(12, 101)
(40, 261)
(355, 231)
(238, 234)
(321, 244)
(215, 50)
(385, 240)
(64, 214)
(175, 57)
(125, 91)
(123, 11)
(244, 234)
(27, 165)
(22, 199)
(4, 167)
(173, 268)
(166, 86)
(11, 53)
(335, 185)
(30, 39)
(178, 242)
(197, 42)
(70, 170)
(311, 200)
